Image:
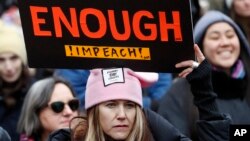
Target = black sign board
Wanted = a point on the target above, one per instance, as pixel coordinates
(144, 35)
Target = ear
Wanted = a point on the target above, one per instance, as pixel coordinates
(147, 78)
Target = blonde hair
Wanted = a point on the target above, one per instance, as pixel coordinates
(140, 131)
(94, 131)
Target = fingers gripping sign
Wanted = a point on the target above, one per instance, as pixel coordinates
(190, 65)
(199, 55)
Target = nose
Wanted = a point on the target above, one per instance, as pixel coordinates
(224, 41)
(67, 110)
(121, 113)
(8, 65)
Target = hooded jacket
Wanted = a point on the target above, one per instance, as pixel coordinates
(232, 94)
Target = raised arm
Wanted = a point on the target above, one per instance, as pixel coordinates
(212, 125)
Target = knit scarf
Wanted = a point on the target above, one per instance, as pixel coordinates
(237, 71)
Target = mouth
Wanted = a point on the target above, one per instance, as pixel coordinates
(121, 127)
(225, 54)
(66, 122)
(9, 75)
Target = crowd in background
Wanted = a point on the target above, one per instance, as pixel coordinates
(21, 86)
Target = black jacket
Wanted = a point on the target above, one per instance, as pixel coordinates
(178, 108)
(9, 115)
(212, 126)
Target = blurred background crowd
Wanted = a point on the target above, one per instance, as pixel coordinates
(16, 78)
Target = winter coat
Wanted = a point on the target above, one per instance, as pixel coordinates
(178, 108)
(9, 115)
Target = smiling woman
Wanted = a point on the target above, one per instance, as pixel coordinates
(226, 48)
(221, 46)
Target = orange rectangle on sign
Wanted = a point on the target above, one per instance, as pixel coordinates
(131, 53)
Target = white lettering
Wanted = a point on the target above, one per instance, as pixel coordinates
(240, 132)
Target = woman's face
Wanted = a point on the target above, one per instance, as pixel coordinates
(10, 67)
(242, 7)
(117, 118)
(221, 45)
(52, 120)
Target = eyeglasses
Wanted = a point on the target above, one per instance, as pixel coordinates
(58, 106)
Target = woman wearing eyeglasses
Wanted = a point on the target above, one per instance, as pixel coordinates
(113, 102)
(50, 104)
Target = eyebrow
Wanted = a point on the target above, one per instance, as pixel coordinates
(217, 32)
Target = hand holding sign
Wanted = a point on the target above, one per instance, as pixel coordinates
(191, 64)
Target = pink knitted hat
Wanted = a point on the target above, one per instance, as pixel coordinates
(116, 83)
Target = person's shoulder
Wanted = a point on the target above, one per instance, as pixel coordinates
(179, 81)
(179, 86)
(60, 135)
(4, 136)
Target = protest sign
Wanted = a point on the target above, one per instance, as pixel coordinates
(143, 35)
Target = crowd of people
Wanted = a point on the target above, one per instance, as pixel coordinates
(199, 103)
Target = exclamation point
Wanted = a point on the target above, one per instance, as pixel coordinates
(140, 50)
